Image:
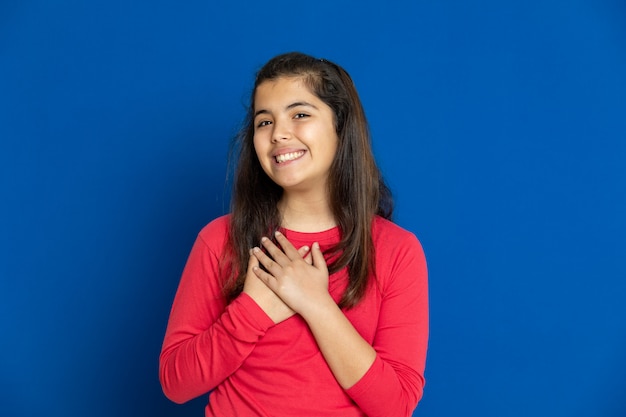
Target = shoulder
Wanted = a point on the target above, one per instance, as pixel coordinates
(388, 234)
(397, 249)
(215, 234)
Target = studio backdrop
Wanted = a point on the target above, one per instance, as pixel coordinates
(500, 127)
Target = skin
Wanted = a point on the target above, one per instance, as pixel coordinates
(289, 118)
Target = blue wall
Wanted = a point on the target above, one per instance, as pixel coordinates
(501, 127)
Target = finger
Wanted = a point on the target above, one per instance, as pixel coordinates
(275, 252)
(249, 283)
(266, 278)
(304, 251)
(252, 260)
(318, 257)
(265, 260)
(288, 248)
(308, 258)
(268, 261)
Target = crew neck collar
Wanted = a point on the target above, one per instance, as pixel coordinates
(331, 234)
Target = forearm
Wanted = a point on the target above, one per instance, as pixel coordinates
(347, 354)
(186, 371)
(193, 362)
(303, 287)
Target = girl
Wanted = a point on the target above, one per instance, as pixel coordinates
(305, 300)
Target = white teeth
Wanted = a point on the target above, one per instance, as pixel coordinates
(289, 156)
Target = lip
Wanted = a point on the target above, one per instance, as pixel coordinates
(285, 151)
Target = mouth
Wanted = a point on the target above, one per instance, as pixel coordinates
(289, 156)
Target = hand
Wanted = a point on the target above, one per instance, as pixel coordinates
(273, 306)
(300, 282)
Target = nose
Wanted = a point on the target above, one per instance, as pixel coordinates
(281, 132)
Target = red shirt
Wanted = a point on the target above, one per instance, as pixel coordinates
(253, 367)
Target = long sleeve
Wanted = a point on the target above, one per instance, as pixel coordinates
(206, 340)
(394, 383)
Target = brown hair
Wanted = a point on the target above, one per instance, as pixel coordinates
(356, 188)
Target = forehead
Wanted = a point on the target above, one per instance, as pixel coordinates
(282, 90)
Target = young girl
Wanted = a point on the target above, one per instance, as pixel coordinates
(305, 300)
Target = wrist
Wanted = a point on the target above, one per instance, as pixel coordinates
(321, 310)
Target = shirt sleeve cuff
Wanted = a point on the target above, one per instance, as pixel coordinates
(256, 314)
(363, 385)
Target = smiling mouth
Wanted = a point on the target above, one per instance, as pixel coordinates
(290, 156)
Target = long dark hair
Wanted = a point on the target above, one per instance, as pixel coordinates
(356, 188)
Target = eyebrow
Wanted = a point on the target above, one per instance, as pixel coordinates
(289, 107)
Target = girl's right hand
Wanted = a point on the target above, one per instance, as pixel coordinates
(269, 302)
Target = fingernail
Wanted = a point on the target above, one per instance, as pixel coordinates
(263, 239)
(277, 233)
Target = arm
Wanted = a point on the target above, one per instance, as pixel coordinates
(206, 340)
(393, 367)
(304, 288)
(401, 340)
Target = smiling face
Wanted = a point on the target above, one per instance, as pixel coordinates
(294, 135)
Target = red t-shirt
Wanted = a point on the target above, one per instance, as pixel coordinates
(253, 367)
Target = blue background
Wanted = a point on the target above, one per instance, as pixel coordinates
(501, 127)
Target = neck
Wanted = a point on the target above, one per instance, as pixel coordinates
(306, 214)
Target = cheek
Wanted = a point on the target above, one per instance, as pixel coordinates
(258, 147)
(334, 145)
(261, 151)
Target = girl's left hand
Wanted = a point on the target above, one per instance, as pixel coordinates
(301, 282)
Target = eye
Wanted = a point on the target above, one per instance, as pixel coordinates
(263, 123)
(300, 115)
